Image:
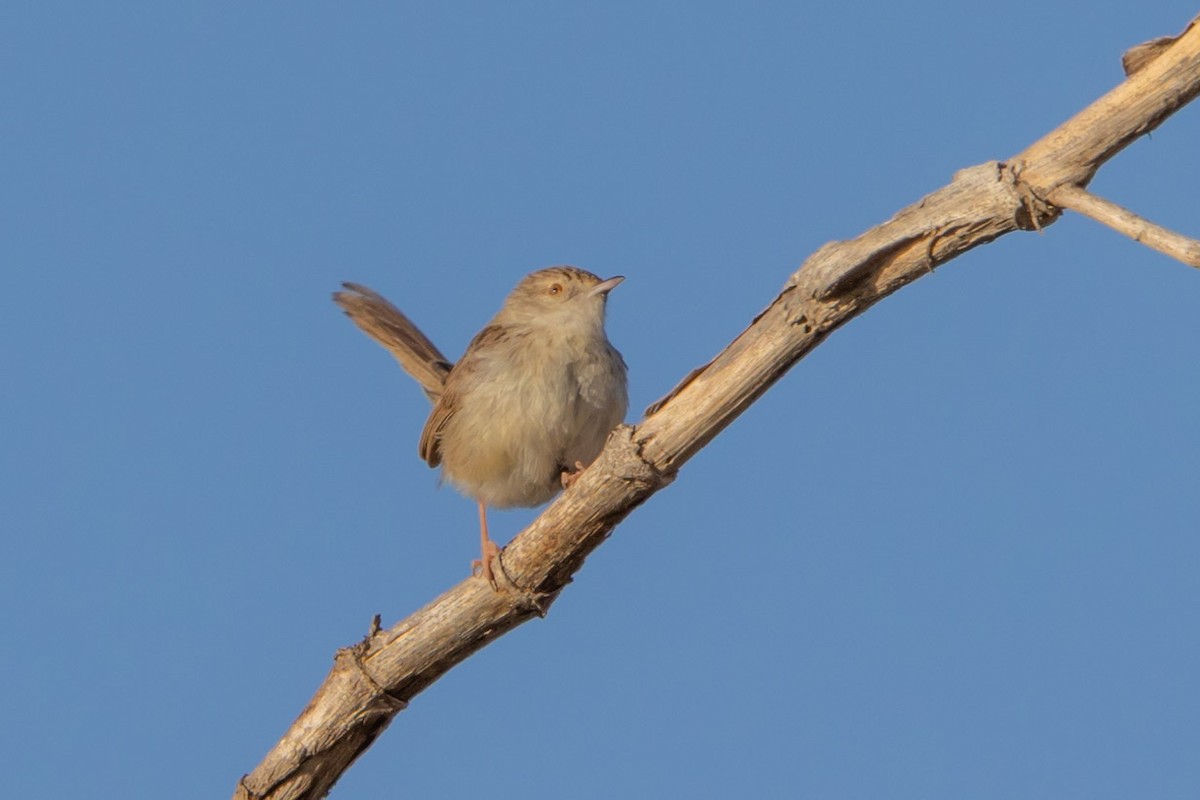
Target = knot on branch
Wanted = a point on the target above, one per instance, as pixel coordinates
(379, 699)
(640, 469)
(1033, 212)
(244, 792)
(522, 601)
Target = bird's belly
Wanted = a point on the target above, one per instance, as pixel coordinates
(509, 447)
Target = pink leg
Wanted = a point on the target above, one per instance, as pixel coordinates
(487, 549)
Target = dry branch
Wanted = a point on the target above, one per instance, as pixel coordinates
(374, 680)
(1122, 220)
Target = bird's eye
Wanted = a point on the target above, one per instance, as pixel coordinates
(555, 289)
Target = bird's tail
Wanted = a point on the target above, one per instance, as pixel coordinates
(386, 324)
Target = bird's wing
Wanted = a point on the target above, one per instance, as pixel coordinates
(460, 380)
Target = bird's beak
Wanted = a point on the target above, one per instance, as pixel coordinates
(604, 287)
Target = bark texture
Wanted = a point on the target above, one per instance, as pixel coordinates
(372, 681)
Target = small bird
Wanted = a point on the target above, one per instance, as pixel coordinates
(531, 401)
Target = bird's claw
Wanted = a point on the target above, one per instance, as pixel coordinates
(483, 565)
(569, 476)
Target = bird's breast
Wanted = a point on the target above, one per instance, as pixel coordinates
(545, 405)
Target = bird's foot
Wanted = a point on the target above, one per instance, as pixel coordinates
(569, 476)
(483, 566)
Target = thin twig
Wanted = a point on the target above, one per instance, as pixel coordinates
(1122, 220)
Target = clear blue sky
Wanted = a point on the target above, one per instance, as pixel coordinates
(953, 554)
